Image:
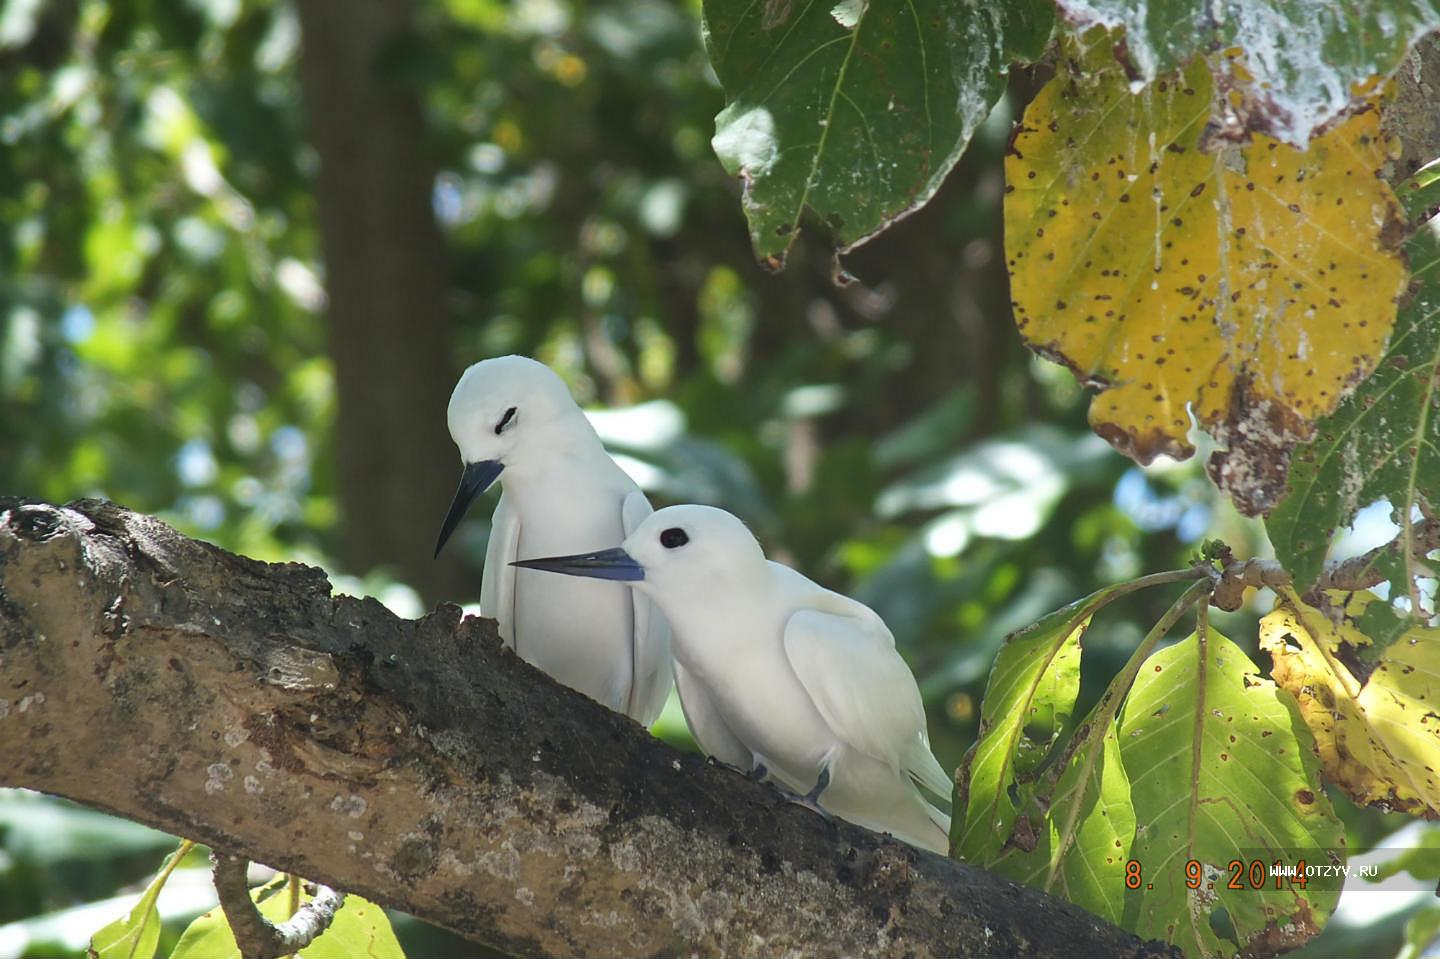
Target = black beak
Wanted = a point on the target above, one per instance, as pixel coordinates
(475, 480)
(606, 564)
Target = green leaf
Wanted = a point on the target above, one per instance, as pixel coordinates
(1419, 193)
(1383, 441)
(856, 110)
(1222, 769)
(1085, 838)
(1028, 699)
(137, 935)
(1028, 29)
(1303, 60)
(209, 936)
(360, 929)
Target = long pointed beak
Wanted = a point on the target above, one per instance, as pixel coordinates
(606, 564)
(475, 480)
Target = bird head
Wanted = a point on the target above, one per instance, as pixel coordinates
(504, 414)
(679, 551)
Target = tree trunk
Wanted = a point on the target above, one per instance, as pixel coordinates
(389, 321)
(420, 764)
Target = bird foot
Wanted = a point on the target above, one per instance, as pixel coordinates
(810, 800)
(756, 774)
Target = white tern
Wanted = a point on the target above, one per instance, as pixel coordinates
(514, 419)
(780, 676)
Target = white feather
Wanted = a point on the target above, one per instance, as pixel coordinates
(707, 725)
(773, 669)
(864, 690)
(562, 494)
(497, 582)
(651, 668)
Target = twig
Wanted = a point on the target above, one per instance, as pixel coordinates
(256, 936)
(1238, 576)
(1362, 572)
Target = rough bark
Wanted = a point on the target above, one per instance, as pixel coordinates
(388, 316)
(419, 764)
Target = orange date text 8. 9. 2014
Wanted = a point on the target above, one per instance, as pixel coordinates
(1255, 874)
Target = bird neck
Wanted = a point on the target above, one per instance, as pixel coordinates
(571, 448)
(720, 614)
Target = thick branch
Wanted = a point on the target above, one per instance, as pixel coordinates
(420, 765)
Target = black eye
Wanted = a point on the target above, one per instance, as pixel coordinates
(673, 537)
(504, 421)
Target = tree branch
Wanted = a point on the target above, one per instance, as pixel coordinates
(256, 936)
(421, 765)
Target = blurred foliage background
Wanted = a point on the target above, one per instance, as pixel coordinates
(246, 246)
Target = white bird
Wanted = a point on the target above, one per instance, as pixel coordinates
(562, 492)
(781, 676)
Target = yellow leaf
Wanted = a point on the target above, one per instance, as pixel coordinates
(1378, 737)
(1169, 266)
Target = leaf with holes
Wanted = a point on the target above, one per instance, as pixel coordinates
(1083, 833)
(1222, 769)
(1253, 285)
(855, 110)
(1382, 442)
(1028, 700)
(1378, 735)
(1301, 62)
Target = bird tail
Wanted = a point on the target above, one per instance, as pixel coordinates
(871, 794)
(940, 819)
(925, 770)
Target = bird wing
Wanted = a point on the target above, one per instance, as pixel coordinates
(497, 583)
(864, 691)
(650, 645)
(711, 733)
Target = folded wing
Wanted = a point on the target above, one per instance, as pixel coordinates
(497, 584)
(864, 691)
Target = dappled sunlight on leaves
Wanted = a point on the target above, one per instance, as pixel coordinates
(1378, 735)
(1174, 272)
(818, 99)
(1383, 442)
(1221, 769)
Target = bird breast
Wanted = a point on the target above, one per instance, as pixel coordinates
(741, 663)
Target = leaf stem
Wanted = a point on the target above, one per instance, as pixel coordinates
(292, 885)
(171, 862)
(1200, 571)
(181, 851)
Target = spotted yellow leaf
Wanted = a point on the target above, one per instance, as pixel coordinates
(1171, 267)
(1378, 736)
